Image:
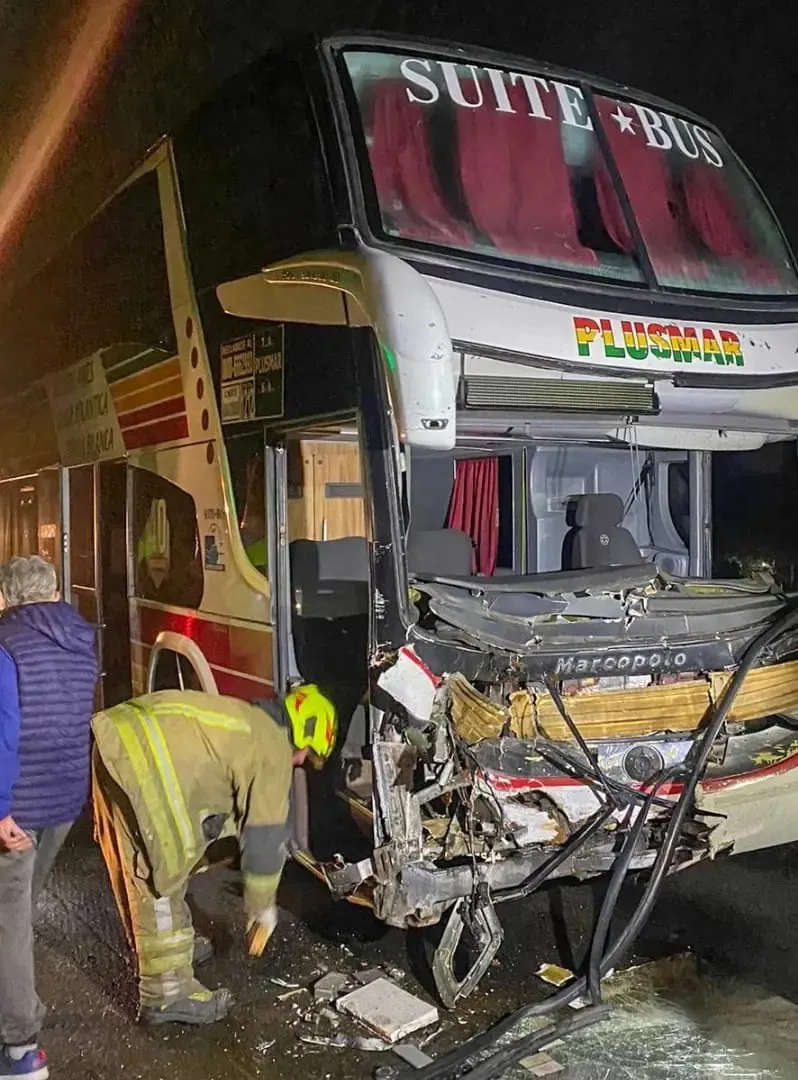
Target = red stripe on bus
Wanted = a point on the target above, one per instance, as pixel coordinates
(160, 432)
(236, 647)
(240, 686)
(147, 413)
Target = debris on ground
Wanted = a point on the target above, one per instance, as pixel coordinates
(330, 986)
(370, 975)
(285, 985)
(388, 1010)
(350, 1042)
(379, 1004)
(541, 1065)
(579, 1003)
(554, 975)
(412, 1055)
(265, 1046)
(332, 1018)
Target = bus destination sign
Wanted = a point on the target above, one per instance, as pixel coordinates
(253, 382)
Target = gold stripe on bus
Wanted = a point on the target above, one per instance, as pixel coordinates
(149, 377)
(153, 801)
(150, 394)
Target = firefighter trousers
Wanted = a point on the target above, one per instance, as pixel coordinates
(159, 928)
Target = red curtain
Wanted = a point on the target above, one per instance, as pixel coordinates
(515, 182)
(404, 173)
(474, 508)
(713, 213)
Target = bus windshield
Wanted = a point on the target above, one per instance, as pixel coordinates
(508, 164)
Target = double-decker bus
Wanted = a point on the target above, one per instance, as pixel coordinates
(401, 369)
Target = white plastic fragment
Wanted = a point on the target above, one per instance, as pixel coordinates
(410, 683)
(388, 1010)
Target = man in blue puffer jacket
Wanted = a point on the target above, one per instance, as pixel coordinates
(48, 678)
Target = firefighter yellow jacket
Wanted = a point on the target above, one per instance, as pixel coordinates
(195, 767)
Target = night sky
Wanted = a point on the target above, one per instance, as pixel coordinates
(732, 62)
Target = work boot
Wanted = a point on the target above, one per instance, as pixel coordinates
(28, 1062)
(203, 950)
(204, 1007)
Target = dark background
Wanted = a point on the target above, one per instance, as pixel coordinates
(733, 62)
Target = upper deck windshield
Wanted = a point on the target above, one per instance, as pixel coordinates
(508, 164)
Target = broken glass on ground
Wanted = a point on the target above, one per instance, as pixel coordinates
(675, 1022)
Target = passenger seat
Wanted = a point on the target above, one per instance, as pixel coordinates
(440, 553)
(596, 536)
(330, 611)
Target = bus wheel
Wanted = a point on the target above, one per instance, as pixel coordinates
(174, 672)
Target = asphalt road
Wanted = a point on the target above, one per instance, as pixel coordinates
(737, 914)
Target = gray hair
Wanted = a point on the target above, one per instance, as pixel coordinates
(28, 580)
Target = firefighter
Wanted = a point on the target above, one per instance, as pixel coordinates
(173, 772)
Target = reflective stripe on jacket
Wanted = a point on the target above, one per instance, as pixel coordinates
(193, 764)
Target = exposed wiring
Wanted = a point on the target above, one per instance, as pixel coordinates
(560, 758)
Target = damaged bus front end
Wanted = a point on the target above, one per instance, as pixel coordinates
(526, 722)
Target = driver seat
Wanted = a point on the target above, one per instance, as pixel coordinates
(596, 536)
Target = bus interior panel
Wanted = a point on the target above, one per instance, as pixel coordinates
(525, 510)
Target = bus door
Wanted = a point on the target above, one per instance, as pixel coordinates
(323, 611)
(96, 499)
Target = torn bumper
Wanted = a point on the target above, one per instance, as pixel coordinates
(755, 811)
(522, 795)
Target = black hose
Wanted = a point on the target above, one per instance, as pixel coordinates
(497, 1064)
(617, 879)
(556, 756)
(446, 1065)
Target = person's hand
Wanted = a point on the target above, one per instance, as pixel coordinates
(260, 929)
(12, 838)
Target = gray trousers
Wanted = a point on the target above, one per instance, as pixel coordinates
(22, 875)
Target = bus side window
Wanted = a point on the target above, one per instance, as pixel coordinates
(18, 518)
(679, 499)
(246, 457)
(166, 545)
